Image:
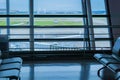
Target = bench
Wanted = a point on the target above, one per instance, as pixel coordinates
(10, 68)
(112, 62)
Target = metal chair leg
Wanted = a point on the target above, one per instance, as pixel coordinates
(98, 73)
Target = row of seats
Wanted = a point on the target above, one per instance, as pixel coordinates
(112, 62)
(10, 68)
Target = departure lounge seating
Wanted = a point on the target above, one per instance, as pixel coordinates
(10, 60)
(11, 74)
(10, 68)
(112, 61)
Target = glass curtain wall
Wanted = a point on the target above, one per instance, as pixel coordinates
(47, 25)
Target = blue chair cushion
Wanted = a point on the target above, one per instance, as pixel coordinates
(99, 56)
(10, 66)
(106, 61)
(9, 73)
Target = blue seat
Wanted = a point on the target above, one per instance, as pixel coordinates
(115, 52)
(106, 61)
(10, 60)
(99, 56)
(112, 61)
(11, 74)
(10, 66)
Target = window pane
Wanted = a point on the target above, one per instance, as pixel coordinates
(19, 33)
(57, 21)
(98, 7)
(59, 45)
(2, 21)
(57, 7)
(2, 7)
(58, 33)
(19, 6)
(19, 46)
(100, 21)
(19, 21)
(105, 45)
(101, 32)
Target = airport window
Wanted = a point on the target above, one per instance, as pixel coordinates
(60, 13)
(59, 39)
(52, 22)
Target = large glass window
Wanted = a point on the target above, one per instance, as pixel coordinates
(53, 24)
(58, 8)
(59, 39)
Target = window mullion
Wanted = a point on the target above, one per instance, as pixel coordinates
(31, 26)
(90, 24)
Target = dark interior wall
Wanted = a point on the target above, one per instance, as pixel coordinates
(114, 7)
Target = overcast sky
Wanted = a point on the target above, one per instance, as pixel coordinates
(69, 5)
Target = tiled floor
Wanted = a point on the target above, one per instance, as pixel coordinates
(72, 70)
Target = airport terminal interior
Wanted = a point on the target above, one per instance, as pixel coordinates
(59, 40)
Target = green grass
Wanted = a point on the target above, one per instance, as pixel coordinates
(41, 21)
(51, 23)
(55, 21)
(2, 23)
